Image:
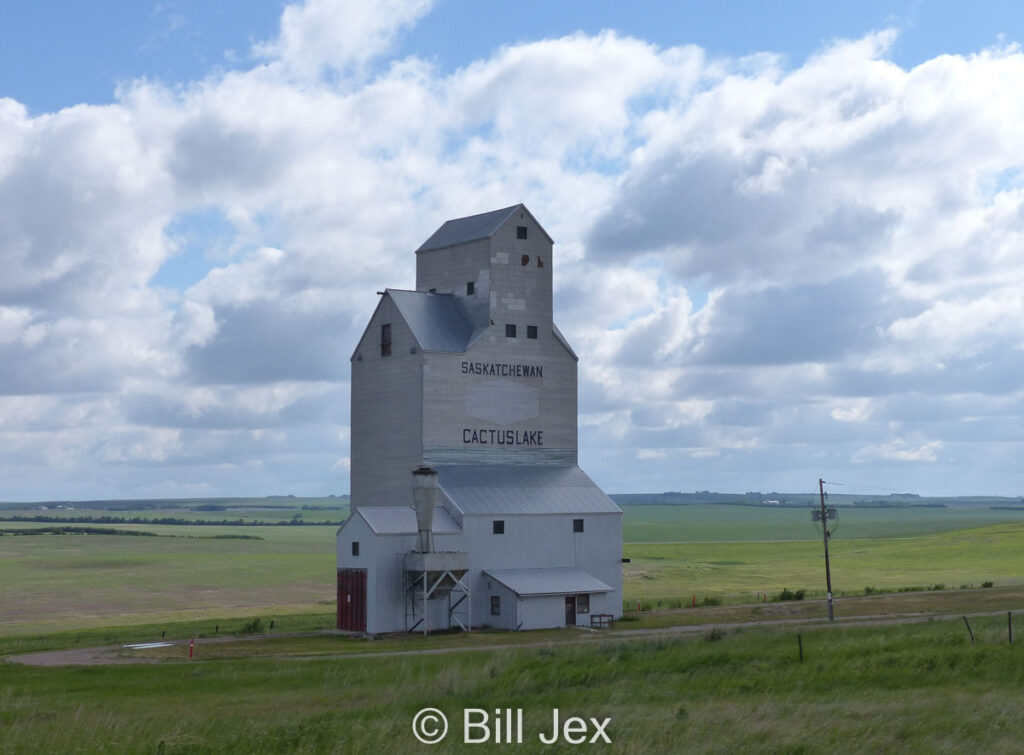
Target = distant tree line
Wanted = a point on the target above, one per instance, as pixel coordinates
(73, 530)
(295, 521)
(194, 504)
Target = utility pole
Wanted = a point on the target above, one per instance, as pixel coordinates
(824, 529)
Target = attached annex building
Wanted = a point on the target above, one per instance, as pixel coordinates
(468, 507)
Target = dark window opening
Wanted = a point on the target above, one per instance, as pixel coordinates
(540, 262)
(577, 525)
(355, 547)
(526, 260)
(498, 527)
(432, 291)
(582, 604)
(520, 231)
(385, 340)
(510, 331)
(531, 331)
(470, 288)
(495, 605)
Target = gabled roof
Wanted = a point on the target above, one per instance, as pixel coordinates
(518, 489)
(438, 321)
(401, 520)
(561, 339)
(464, 230)
(472, 228)
(551, 581)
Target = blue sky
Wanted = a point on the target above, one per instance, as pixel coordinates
(58, 54)
(795, 225)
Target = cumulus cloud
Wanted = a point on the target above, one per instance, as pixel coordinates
(770, 271)
(337, 34)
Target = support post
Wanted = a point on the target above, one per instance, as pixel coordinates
(969, 629)
(1009, 625)
(800, 644)
(824, 529)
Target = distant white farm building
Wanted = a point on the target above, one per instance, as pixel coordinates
(465, 391)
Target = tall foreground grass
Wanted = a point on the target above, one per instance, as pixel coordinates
(922, 688)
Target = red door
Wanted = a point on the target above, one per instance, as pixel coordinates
(352, 599)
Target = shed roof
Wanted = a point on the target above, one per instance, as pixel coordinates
(518, 489)
(550, 581)
(401, 520)
(438, 321)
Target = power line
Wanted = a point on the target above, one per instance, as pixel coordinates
(861, 486)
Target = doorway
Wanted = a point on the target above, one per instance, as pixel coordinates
(352, 599)
(570, 610)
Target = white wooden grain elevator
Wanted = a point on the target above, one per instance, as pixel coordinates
(468, 507)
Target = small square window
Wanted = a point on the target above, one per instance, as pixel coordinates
(385, 340)
(520, 231)
(495, 605)
(470, 288)
(510, 330)
(526, 260)
(577, 525)
(582, 604)
(531, 331)
(498, 527)
(355, 547)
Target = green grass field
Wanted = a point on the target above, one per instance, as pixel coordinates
(725, 523)
(677, 552)
(917, 688)
(96, 580)
(738, 571)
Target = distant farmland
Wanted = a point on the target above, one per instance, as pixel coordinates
(730, 523)
(727, 552)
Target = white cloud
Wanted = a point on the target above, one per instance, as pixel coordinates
(852, 410)
(337, 34)
(759, 266)
(900, 450)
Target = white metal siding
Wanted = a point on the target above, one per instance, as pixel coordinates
(542, 612)
(509, 618)
(386, 414)
(537, 541)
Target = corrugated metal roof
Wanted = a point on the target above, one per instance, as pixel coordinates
(464, 230)
(515, 489)
(551, 581)
(401, 520)
(438, 321)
